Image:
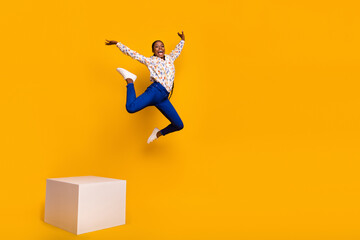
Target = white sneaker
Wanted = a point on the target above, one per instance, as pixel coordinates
(153, 136)
(126, 74)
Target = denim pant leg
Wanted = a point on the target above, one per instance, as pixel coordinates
(168, 110)
(135, 104)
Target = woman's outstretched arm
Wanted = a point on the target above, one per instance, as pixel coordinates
(176, 52)
(128, 51)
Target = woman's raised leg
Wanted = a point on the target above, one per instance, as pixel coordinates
(135, 104)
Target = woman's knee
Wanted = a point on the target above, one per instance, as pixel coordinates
(179, 125)
(130, 108)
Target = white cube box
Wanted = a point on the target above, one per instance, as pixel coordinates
(85, 204)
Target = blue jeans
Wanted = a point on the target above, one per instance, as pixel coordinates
(155, 95)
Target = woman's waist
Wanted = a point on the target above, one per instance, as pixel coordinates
(162, 79)
(159, 85)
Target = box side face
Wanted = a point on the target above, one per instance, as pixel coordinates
(84, 179)
(61, 205)
(101, 206)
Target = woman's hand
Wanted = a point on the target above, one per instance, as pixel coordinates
(182, 35)
(110, 42)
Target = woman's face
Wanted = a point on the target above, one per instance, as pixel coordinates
(159, 49)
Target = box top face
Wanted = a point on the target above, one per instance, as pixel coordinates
(84, 180)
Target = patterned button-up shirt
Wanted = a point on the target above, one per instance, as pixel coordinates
(162, 71)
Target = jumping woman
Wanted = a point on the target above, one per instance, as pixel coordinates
(162, 74)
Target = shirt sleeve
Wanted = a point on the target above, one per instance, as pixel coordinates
(132, 53)
(176, 52)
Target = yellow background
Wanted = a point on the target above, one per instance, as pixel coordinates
(268, 92)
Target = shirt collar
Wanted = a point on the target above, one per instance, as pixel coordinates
(159, 57)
